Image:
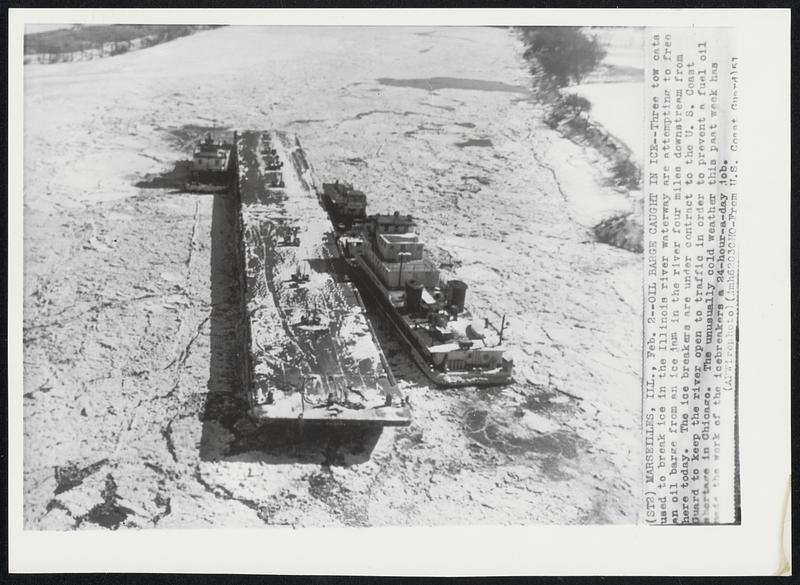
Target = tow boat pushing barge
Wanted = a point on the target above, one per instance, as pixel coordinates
(388, 263)
(310, 352)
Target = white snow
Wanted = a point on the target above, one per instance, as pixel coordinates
(40, 28)
(620, 108)
(617, 100)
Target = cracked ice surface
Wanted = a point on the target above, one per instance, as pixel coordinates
(130, 374)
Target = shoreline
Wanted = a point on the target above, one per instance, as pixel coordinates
(568, 114)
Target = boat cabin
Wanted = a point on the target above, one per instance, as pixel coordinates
(396, 254)
(346, 201)
(211, 156)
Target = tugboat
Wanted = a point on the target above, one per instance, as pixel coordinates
(389, 266)
(211, 167)
(345, 204)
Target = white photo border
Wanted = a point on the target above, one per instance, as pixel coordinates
(756, 547)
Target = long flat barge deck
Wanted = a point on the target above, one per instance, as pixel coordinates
(309, 350)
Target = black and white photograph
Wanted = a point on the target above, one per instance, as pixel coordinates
(410, 275)
(325, 276)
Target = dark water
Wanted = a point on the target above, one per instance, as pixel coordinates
(491, 431)
(435, 83)
(109, 513)
(70, 476)
(484, 142)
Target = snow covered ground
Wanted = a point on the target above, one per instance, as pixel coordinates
(40, 28)
(620, 108)
(616, 89)
(132, 409)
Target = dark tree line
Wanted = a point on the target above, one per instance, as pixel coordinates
(100, 37)
(564, 53)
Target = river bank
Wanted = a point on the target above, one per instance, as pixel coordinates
(603, 113)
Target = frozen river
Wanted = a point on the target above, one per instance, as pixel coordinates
(132, 412)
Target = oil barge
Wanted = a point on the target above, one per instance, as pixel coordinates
(310, 353)
(388, 262)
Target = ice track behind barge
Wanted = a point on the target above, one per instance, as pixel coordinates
(310, 353)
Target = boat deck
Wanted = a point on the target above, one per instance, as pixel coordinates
(311, 353)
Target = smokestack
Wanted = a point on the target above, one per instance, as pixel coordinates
(413, 296)
(457, 294)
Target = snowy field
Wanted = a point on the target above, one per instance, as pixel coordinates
(620, 108)
(40, 28)
(616, 89)
(131, 402)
